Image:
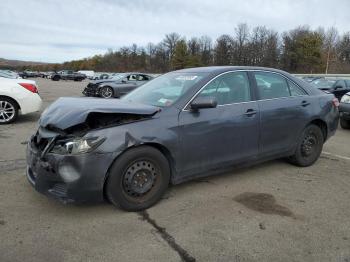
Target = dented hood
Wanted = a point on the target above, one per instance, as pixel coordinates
(70, 111)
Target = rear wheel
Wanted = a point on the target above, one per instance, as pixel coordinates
(309, 147)
(138, 178)
(8, 110)
(106, 92)
(344, 123)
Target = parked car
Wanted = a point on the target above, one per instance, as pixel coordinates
(28, 74)
(116, 86)
(312, 78)
(182, 125)
(338, 87)
(88, 73)
(17, 96)
(8, 74)
(68, 75)
(344, 109)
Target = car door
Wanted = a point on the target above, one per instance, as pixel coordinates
(227, 134)
(285, 109)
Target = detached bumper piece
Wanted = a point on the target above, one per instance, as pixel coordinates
(68, 178)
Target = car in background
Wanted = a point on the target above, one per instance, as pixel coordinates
(88, 73)
(116, 86)
(182, 125)
(17, 96)
(311, 78)
(67, 75)
(344, 109)
(8, 74)
(28, 74)
(338, 87)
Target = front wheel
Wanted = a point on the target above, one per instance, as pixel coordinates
(309, 147)
(106, 92)
(344, 123)
(138, 178)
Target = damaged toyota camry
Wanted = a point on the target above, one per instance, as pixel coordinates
(180, 126)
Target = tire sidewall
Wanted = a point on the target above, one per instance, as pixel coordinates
(345, 124)
(114, 187)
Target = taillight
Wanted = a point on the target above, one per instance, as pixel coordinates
(335, 102)
(32, 88)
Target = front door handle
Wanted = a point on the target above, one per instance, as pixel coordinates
(305, 103)
(250, 112)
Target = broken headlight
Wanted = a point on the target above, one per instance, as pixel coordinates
(76, 146)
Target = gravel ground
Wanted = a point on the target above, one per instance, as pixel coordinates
(270, 212)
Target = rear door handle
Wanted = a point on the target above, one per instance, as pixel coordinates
(250, 112)
(305, 103)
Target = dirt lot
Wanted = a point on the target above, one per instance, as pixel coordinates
(269, 212)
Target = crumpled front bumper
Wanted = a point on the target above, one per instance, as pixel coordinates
(91, 91)
(68, 178)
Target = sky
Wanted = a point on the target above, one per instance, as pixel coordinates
(58, 31)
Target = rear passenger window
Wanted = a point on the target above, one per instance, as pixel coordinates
(229, 88)
(271, 85)
(295, 90)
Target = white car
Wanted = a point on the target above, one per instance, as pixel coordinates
(17, 96)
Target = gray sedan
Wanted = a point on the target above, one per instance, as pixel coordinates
(116, 86)
(180, 126)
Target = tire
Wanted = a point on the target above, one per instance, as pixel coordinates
(345, 124)
(138, 179)
(309, 147)
(55, 78)
(106, 92)
(8, 110)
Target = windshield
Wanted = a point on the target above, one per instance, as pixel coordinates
(164, 90)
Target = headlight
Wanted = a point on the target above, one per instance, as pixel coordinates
(76, 146)
(345, 99)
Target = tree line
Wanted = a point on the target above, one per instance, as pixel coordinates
(301, 50)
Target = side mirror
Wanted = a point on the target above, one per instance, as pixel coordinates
(124, 81)
(337, 87)
(203, 102)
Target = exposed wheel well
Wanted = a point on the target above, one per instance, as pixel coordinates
(18, 106)
(322, 125)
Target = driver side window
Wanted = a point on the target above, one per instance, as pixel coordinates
(229, 88)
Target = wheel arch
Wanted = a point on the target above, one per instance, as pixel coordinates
(11, 98)
(322, 125)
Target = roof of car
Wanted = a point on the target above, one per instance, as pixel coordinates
(218, 69)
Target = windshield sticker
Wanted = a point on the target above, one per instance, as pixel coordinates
(186, 78)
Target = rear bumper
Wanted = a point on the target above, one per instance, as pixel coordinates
(78, 178)
(344, 109)
(31, 103)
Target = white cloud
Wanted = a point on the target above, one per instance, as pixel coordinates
(57, 31)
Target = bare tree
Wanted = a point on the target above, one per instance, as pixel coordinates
(330, 42)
